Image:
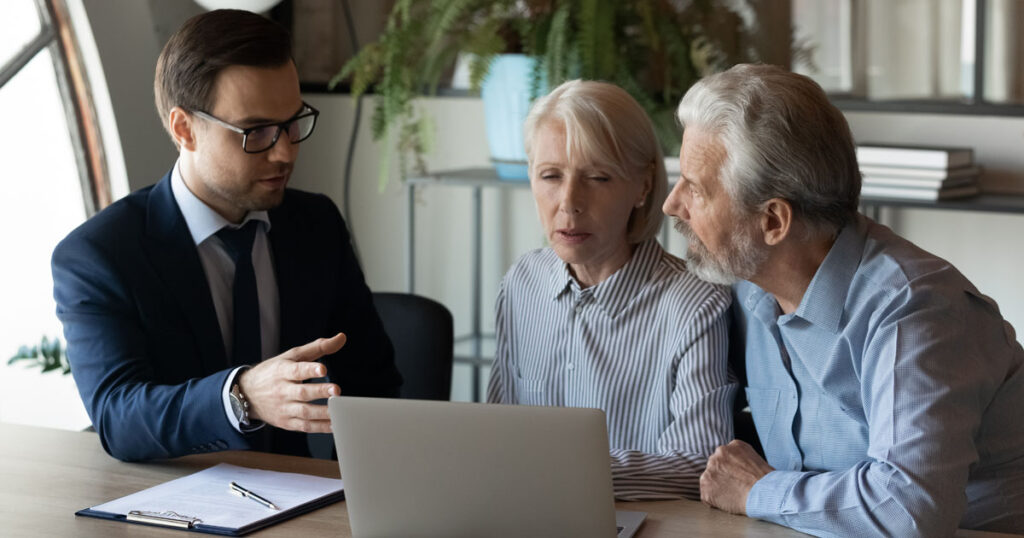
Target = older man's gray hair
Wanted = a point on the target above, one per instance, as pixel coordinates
(783, 138)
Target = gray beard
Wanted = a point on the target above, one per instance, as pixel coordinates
(740, 260)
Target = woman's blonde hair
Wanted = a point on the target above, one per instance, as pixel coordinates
(604, 125)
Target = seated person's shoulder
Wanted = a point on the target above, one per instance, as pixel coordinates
(682, 297)
(893, 266)
(536, 265)
(313, 217)
(112, 227)
(896, 278)
(306, 199)
(679, 281)
(309, 206)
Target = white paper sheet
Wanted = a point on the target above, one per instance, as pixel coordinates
(206, 496)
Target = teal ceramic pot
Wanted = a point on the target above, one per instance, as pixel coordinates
(506, 96)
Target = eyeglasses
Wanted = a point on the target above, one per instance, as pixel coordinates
(263, 137)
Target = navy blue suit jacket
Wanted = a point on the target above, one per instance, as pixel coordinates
(142, 334)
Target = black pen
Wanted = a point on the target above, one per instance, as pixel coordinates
(239, 490)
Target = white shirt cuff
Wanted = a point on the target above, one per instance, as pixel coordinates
(226, 397)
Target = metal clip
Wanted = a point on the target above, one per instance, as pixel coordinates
(166, 519)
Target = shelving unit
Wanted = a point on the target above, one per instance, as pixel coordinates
(986, 203)
(475, 349)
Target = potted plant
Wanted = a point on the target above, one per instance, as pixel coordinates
(48, 355)
(655, 49)
(49, 400)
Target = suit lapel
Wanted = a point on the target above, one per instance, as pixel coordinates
(300, 290)
(292, 285)
(176, 261)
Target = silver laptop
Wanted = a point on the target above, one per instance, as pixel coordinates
(442, 469)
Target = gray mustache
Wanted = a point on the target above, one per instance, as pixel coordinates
(683, 228)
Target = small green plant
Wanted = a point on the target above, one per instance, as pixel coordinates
(654, 49)
(48, 354)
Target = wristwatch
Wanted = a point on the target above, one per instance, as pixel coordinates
(239, 405)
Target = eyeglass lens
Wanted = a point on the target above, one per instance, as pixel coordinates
(297, 130)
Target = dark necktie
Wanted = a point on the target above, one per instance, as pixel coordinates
(247, 342)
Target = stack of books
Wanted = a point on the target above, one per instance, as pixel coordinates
(917, 173)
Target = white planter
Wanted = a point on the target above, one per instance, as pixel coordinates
(506, 95)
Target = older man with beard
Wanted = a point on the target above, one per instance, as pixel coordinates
(884, 386)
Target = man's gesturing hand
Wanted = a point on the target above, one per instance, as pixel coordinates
(731, 473)
(277, 395)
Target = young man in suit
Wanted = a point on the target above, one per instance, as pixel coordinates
(200, 312)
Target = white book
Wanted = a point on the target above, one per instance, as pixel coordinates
(909, 193)
(672, 168)
(914, 156)
(916, 182)
(919, 173)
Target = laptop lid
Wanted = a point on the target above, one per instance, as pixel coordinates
(445, 469)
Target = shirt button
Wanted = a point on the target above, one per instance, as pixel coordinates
(578, 309)
(570, 366)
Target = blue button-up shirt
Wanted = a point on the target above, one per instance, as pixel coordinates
(890, 401)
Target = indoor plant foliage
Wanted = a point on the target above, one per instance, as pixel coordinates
(655, 49)
(48, 354)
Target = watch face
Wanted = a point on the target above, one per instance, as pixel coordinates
(238, 409)
(236, 406)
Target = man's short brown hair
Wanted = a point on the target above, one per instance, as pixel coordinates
(193, 57)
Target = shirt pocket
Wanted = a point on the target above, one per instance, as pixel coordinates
(764, 404)
(529, 391)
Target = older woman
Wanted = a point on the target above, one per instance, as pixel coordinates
(604, 317)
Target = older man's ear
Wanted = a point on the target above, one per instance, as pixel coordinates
(776, 220)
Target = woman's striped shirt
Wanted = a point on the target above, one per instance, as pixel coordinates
(648, 345)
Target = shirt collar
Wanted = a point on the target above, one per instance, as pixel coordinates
(825, 299)
(616, 291)
(201, 219)
(759, 302)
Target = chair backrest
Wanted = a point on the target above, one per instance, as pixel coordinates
(422, 332)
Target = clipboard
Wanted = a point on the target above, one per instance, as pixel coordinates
(196, 503)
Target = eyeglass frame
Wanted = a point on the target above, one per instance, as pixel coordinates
(281, 126)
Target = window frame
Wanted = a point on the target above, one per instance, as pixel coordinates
(976, 105)
(57, 35)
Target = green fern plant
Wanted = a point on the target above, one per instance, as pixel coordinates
(48, 354)
(655, 49)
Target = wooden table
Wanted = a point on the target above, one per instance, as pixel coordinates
(47, 475)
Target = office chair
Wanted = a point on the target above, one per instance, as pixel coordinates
(422, 333)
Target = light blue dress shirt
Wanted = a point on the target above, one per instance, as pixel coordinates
(203, 224)
(890, 402)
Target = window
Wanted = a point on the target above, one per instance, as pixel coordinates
(53, 178)
(959, 56)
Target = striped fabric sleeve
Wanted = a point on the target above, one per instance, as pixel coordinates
(501, 386)
(701, 408)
